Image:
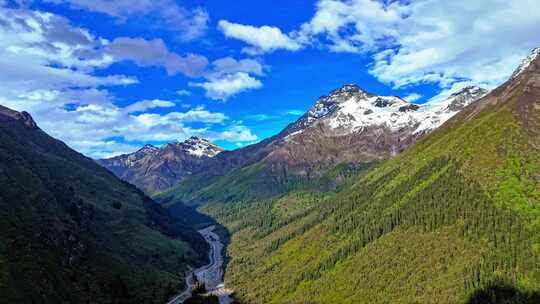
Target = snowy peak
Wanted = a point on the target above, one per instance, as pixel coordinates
(155, 169)
(200, 147)
(525, 63)
(350, 109)
(459, 100)
(328, 105)
(347, 89)
(147, 149)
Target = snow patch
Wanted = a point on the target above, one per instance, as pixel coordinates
(526, 62)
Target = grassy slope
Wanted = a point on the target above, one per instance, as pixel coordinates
(72, 232)
(453, 219)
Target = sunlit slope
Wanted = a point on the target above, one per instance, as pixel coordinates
(453, 219)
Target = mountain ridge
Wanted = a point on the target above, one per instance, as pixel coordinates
(154, 169)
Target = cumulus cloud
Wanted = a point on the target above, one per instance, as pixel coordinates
(262, 39)
(237, 133)
(222, 88)
(451, 41)
(228, 77)
(155, 53)
(189, 24)
(229, 65)
(429, 41)
(413, 42)
(144, 105)
(49, 68)
(183, 92)
(352, 26)
(225, 77)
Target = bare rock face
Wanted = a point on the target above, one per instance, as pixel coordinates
(154, 169)
(23, 116)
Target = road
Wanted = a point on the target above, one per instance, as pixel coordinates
(211, 274)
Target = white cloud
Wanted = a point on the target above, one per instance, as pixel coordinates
(189, 24)
(237, 133)
(413, 42)
(451, 41)
(229, 65)
(352, 26)
(412, 97)
(228, 77)
(222, 88)
(431, 41)
(262, 39)
(225, 76)
(48, 69)
(183, 92)
(143, 105)
(155, 53)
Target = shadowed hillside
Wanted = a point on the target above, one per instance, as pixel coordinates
(71, 232)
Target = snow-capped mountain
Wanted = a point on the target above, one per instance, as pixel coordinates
(350, 109)
(200, 147)
(155, 169)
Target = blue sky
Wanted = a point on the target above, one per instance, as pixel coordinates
(110, 76)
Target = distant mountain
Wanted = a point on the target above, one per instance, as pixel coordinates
(71, 232)
(348, 127)
(455, 218)
(155, 169)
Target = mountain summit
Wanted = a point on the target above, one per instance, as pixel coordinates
(154, 169)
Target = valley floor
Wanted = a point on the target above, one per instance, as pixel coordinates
(211, 274)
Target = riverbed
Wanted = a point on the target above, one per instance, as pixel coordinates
(211, 274)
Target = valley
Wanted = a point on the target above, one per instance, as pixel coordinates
(211, 275)
(444, 221)
(270, 152)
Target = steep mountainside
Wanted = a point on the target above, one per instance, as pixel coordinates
(155, 169)
(71, 232)
(455, 218)
(350, 127)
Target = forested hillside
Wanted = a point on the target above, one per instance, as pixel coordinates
(453, 219)
(71, 232)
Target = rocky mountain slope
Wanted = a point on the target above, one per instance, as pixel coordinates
(71, 232)
(455, 218)
(155, 169)
(348, 127)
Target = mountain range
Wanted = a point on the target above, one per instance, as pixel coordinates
(349, 127)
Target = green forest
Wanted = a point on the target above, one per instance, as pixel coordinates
(453, 219)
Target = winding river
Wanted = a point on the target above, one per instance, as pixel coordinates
(211, 274)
